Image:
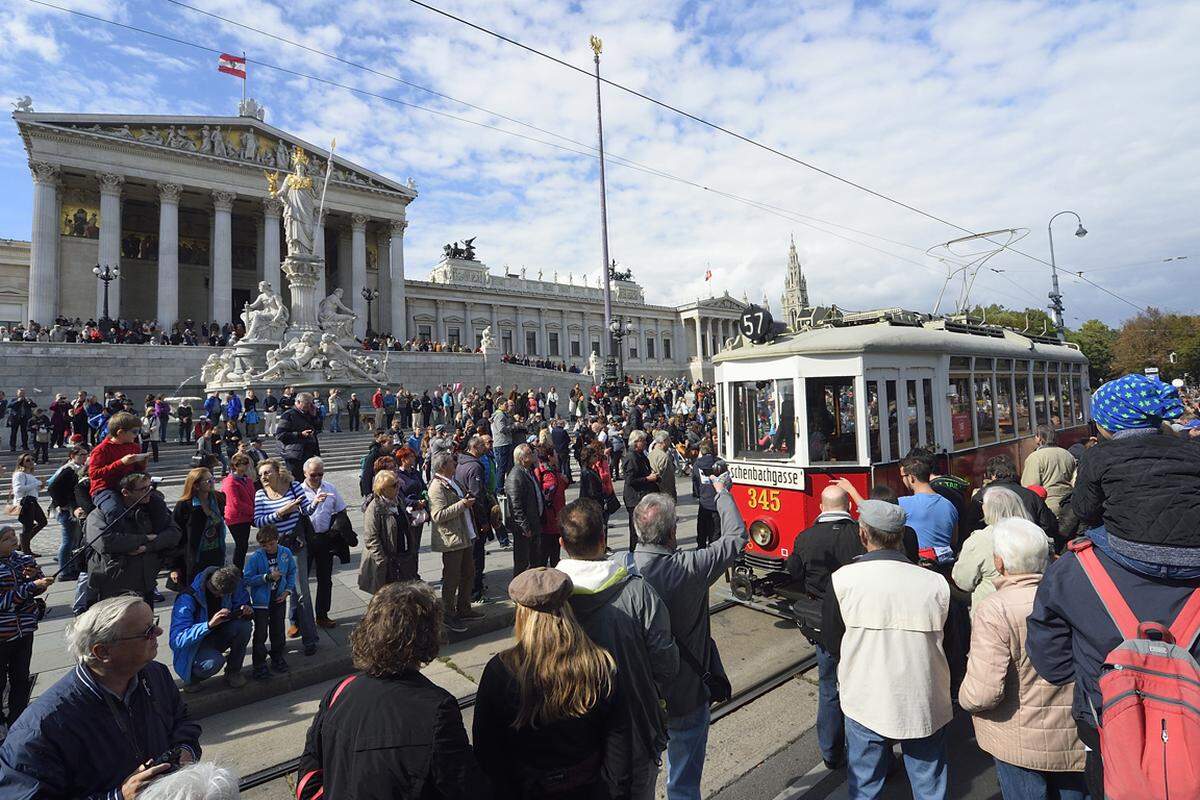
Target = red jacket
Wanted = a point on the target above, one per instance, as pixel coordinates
(239, 499)
(105, 469)
(377, 399)
(554, 490)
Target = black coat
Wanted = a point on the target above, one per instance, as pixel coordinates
(522, 491)
(972, 519)
(389, 738)
(1145, 489)
(636, 467)
(295, 446)
(367, 475)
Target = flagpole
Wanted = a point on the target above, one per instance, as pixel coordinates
(245, 77)
(606, 352)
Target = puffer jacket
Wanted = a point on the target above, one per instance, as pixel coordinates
(1019, 717)
(975, 569)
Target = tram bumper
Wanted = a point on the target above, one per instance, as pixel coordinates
(757, 576)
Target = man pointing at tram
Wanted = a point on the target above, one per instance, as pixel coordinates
(682, 578)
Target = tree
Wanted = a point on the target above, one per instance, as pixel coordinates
(1095, 340)
(1150, 339)
(1030, 320)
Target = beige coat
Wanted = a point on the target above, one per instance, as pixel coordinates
(1019, 717)
(448, 512)
(661, 462)
(1052, 468)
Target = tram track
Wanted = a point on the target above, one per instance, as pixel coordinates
(738, 700)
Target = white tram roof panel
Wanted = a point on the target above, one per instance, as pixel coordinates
(883, 336)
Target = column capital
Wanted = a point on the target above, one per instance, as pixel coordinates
(222, 200)
(272, 207)
(45, 172)
(110, 183)
(169, 192)
(358, 222)
(398, 226)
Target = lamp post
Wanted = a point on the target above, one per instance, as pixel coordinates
(1055, 296)
(370, 295)
(107, 273)
(619, 328)
(606, 343)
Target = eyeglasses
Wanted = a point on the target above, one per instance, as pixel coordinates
(150, 633)
(316, 474)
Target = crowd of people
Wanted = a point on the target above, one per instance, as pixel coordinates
(1006, 601)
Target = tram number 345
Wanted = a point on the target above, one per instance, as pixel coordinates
(766, 499)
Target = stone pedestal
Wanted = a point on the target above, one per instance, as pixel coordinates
(304, 274)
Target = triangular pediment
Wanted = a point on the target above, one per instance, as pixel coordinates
(723, 303)
(244, 141)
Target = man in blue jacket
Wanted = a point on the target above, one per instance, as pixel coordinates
(210, 619)
(90, 735)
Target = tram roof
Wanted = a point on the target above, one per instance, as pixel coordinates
(884, 336)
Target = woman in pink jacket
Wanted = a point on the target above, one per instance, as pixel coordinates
(554, 496)
(1022, 721)
(238, 488)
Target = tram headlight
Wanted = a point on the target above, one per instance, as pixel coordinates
(762, 534)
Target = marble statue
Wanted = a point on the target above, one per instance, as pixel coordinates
(150, 136)
(206, 141)
(215, 369)
(282, 156)
(294, 357)
(24, 105)
(539, 275)
(179, 141)
(570, 279)
(522, 273)
(298, 206)
(123, 131)
(340, 363)
(593, 365)
(333, 316)
(411, 184)
(486, 343)
(249, 145)
(266, 318)
(218, 143)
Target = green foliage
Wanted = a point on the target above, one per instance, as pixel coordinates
(1095, 340)
(1036, 319)
(1149, 339)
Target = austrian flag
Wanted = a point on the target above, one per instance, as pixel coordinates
(232, 65)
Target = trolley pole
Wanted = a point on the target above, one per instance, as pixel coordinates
(606, 351)
(1056, 304)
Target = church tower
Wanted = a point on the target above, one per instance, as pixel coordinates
(795, 289)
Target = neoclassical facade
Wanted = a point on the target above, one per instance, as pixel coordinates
(181, 205)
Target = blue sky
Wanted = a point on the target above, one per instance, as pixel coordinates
(989, 115)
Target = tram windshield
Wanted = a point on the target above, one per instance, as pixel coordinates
(764, 419)
(832, 425)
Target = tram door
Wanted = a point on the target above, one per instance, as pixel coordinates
(900, 412)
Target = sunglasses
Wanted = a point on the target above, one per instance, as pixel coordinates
(150, 633)
(316, 474)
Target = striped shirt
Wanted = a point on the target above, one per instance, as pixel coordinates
(18, 612)
(266, 510)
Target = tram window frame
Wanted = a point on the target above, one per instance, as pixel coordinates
(1022, 410)
(874, 434)
(984, 380)
(893, 418)
(1077, 398)
(1004, 397)
(961, 403)
(912, 412)
(1041, 413)
(1067, 414)
(930, 425)
(843, 393)
(1053, 395)
(782, 390)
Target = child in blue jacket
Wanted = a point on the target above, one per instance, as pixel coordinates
(270, 575)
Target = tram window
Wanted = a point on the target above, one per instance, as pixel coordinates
(1064, 394)
(910, 413)
(961, 413)
(983, 365)
(1022, 366)
(873, 421)
(832, 420)
(985, 409)
(1021, 415)
(927, 390)
(1040, 409)
(960, 363)
(1003, 364)
(1004, 405)
(764, 419)
(893, 422)
(1077, 396)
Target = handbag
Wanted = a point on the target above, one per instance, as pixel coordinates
(719, 688)
(611, 504)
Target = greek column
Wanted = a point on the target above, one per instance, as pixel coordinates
(699, 340)
(543, 341)
(398, 305)
(319, 252)
(43, 250)
(222, 257)
(496, 328)
(358, 271)
(438, 333)
(383, 282)
(272, 209)
(168, 254)
(110, 240)
(468, 327)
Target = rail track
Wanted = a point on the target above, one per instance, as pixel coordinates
(740, 699)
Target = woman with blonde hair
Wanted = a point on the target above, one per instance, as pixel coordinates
(546, 718)
(975, 570)
(387, 552)
(25, 505)
(200, 515)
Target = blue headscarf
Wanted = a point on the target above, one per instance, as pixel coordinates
(1135, 401)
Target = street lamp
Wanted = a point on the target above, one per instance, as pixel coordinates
(370, 295)
(1055, 295)
(620, 328)
(107, 274)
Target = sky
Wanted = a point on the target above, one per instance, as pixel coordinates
(986, 115)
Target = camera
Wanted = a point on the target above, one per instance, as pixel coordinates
(719, 467)
(172, 757)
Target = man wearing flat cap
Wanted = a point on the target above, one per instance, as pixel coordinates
(884, 619)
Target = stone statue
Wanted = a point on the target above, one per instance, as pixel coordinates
(282, 157)
(593, 365)
(249, 144)
(150, 136)
(266, 318)
(298, 206)
(333, 316)
(123, 131)
(214, 369)
(178, 141)
(294, 357)
(570, 279)
(24, 105)
(522, 273)
(251, 108)
(205, 141)
(539, 275)
(340, 363)
(468, 251)
(486, 343)
(411, 184)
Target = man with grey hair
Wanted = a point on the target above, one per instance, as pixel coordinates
(640, 478)
(682, 579)
(322, 547)
(296, 432)
(471, 475)
(454, 534)
(203, 781)
(1050, 467)
(130, 547)
(526, 504)
(92, 733)
(884, 618)
(662, 463)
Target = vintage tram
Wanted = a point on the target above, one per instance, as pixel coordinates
(849, 397)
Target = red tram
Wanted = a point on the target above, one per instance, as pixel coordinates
(849, 397)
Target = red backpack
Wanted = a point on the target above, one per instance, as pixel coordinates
(1149, 719)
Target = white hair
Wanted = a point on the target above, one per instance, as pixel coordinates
(440, 460)
(202, 781)
(636, 437)
(315, 461)
(654, 518)
(1000, 503)
(98, 625)
(1021, 545)
(662, 437)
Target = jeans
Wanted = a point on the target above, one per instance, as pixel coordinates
(232, 636)
(1019, 783)
(504, 459)
(15, 656)
(458, 574)
(869, 755)
(269, 621)
(109, 502)
(300, 602)
(21, 426)
(72, 530)
(688, 737)
(335, 422)
(322, 563)
(831, 723)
